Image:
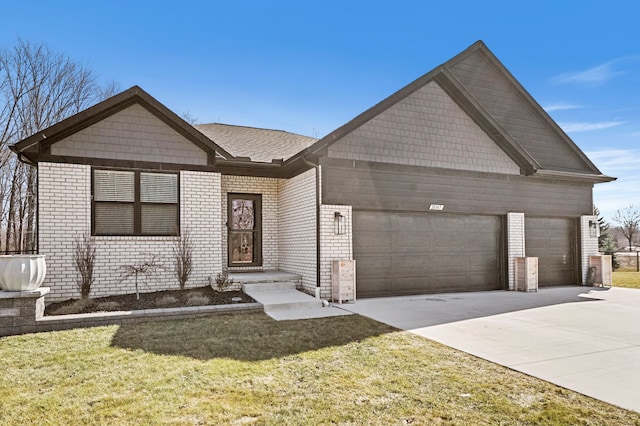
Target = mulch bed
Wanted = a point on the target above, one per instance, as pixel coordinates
(199, 296)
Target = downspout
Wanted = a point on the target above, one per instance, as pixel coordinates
(317, 168)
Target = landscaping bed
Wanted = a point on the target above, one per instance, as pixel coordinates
(200, 296)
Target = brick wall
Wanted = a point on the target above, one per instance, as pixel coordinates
(200, 197)
(268, 187)
(515, 244)
(65, 213)
(332, 245)
(427, 128)
(297, 248)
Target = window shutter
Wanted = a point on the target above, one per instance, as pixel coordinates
(158, 188)
(113, 185)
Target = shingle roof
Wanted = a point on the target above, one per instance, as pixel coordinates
(262, 145)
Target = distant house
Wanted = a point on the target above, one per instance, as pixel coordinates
(437, 188)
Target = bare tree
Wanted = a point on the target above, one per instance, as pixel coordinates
(182, 258)
(189, 118)
(629, 220)
(38, 88)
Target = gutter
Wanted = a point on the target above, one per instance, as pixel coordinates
(573, 176)
(317, 167)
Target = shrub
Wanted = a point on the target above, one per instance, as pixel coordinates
(223, 282)
(108, 306)
(197, 300)
(165, 301)
(74, 307)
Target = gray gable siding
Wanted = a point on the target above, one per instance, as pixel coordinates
(131, 134)
(389, 187)
(427, 128)
(495, 94)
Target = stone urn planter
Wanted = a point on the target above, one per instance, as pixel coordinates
(22, 272)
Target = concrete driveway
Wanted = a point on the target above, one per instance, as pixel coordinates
(582, 338)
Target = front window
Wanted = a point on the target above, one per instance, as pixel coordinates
(129, 202)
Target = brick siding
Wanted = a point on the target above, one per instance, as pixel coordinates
(297, 228)
(333, 246)
(588, 246)
(268, 187)
(65, 214)
(515, 244)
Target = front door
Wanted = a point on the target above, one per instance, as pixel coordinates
(244, 224)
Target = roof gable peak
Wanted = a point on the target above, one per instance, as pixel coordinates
(29, 147)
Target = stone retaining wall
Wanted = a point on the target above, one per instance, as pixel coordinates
(23, 312)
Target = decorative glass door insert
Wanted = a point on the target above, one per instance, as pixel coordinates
(244, 224)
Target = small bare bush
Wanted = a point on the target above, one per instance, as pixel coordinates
(223, 282)
(165, 301)
(108, 306)
(182, 258)
(144, 268)
(84, 257)
(197, 300)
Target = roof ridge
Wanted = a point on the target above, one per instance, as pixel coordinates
(255, 128)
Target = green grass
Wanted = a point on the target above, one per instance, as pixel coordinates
(250, 369)
(626, 278)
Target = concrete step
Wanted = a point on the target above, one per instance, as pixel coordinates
(263, 277)
(281, 285)
(280, 296)
(277, 293)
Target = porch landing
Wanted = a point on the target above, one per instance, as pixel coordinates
(276, 291)
(264, 277)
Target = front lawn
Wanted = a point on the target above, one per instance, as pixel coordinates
(250, 369)
(626, 278)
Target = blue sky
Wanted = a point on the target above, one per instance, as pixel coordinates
(310, 66)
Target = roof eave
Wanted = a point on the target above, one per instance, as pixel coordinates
(573, 176)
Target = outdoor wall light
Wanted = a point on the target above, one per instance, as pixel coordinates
(594, 229)
(338, 223)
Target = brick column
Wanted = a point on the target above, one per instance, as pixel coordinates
(19, 311)
(515, 244)
(588, 244)
(333, 246)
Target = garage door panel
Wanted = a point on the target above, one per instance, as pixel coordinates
(371, 221)
(426, 253)
(373, 266)
(377, 286)
(411, 240)
(373, 242)
(480, 243)
(482, 263)
(441, 241)
(553, 242)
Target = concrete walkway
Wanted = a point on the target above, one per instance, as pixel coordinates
(585, 339)
(282, 301)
